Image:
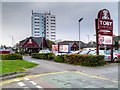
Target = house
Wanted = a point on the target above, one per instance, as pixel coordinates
(74, 45)
(32, 45)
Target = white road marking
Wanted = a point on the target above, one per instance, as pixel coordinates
(27, 79)
(38, 87)
(33, 83)
(17, 80)
(21, 84)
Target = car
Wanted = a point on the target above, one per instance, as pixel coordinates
(74, 52)
(45, 51)
(117, 53)
(84, 52)
(106, 53)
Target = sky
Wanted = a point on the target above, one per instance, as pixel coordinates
(16, 19)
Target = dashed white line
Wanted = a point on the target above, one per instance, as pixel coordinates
(33, 83)
(21, 84)
(38, 87)
(27, 79)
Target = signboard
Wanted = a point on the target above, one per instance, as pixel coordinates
(104, 24)
(54, 47)
(104, 31)
(106, 40)
(63, 48)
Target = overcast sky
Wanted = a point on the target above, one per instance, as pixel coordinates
(16, 19)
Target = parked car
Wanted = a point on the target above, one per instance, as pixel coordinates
(45, 51)
(117, 53)
(106, 53)
(84, 52)
(75, 52)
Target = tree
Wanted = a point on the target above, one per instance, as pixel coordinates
(50, 43)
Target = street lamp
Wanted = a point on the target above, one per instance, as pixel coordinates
(79, 31)
(42, 39)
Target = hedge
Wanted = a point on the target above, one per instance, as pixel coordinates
(118, 60)
(59, 58)
(84, 60)
(11, 56)
(48, 56)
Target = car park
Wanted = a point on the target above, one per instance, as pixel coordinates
(106, 53)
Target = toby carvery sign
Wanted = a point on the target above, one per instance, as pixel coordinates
(104, 30)
(104, 21)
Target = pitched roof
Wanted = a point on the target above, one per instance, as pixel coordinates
(72, 42)
(38, 40)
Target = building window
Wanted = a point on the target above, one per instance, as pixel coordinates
(36, 28)
(36, 22)
(52, 38)
(36, 18)
(37, 25)
(53, 35)
(52, 26)
(53, 32)
(36, 31)
(53, 29)
(52, 20)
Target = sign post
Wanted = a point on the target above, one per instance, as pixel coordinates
(104, 31)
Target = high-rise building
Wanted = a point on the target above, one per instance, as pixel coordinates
(44, 25)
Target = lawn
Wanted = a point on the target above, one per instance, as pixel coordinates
(7, 66)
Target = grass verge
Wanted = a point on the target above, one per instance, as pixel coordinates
(7, 66)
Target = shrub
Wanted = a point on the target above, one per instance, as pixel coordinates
(93, 60)
(85, 60)
(48, 56)
(11, 56)
(59, 58)
(118, 60)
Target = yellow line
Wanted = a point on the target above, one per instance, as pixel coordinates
(30, 76)
(98, 77)
(49, 73)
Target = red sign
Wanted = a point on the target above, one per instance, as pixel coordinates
(104, 24)
(105, 33)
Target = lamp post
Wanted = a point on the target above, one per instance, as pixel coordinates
(79, 31)
(42, 39)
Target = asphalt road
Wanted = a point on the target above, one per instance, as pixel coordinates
(49, 74)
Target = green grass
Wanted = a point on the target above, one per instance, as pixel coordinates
(7, 66)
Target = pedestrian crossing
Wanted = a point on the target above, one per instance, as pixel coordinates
(28, 83)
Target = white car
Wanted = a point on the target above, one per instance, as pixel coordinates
(45, 51)
(106, 53)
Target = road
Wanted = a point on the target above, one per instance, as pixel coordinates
(49, 74)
